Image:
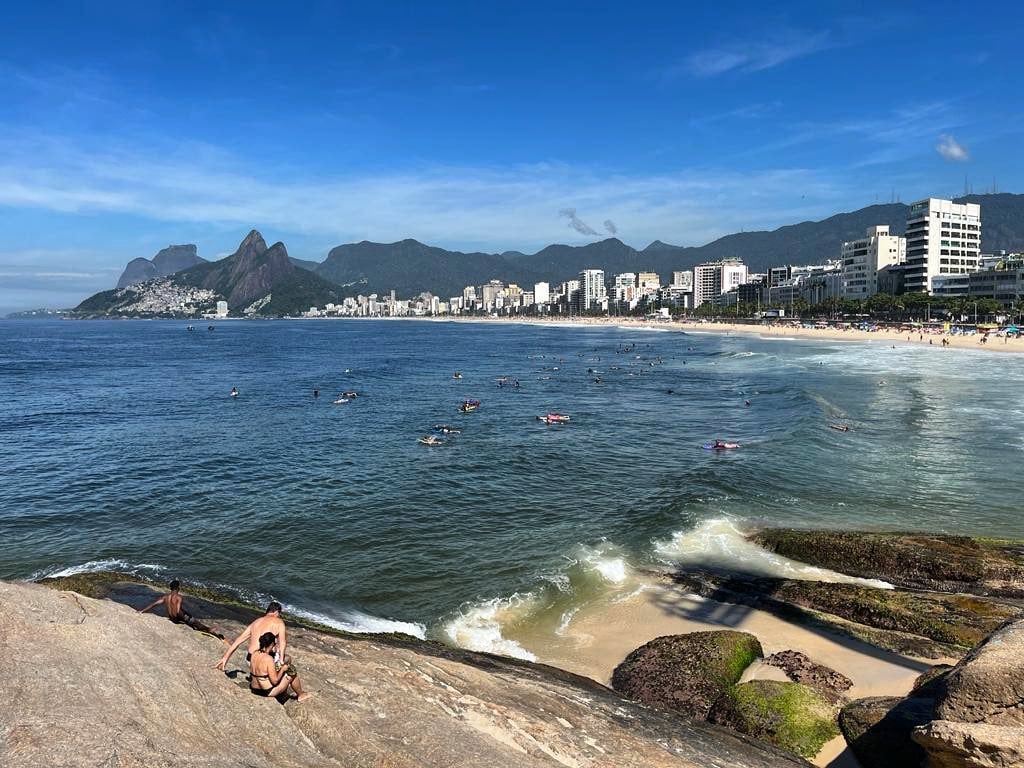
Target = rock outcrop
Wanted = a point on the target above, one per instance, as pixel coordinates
(167, 261)
(979, 713)
(913, 623)
(958, 564)
(789, 715)
(93, 683)
(686, 673)
(800, 669)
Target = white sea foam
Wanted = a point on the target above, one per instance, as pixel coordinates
(95, 566)
(478, 626)
(359, 622)
(604, 560)
(719, 543)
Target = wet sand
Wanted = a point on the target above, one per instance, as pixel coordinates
(603, 633)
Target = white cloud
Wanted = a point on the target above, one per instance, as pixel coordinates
(951, 149)
(492, 208)
(754, 56)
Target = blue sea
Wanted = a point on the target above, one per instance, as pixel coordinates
(121, 449)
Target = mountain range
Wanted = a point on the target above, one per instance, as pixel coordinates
(255, 279)
(409, 267)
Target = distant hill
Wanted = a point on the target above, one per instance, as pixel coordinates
(254, 279)
(171, 259)
(410, 266)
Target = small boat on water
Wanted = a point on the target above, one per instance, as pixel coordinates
(718, 445)
(430, 440)
(468, 406)
(457, 375)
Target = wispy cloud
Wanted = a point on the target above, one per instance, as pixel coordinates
(486, 207)
(753, 55)
(951, 149)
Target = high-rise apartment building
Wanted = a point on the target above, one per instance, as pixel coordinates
(592, 293)
(714, 278)
(943, 238)
(863, 258)
(541, 293)
(624, 287)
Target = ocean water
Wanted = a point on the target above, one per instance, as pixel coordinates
(121, 449)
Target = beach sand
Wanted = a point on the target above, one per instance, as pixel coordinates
(604, 632)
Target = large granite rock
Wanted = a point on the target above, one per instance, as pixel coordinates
(788, 715)
(914, 561)
(93, 683)
(686, 673)
(971, 745)
(167, 261)
(988, 684)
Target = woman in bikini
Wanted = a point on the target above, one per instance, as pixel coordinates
(267, 679)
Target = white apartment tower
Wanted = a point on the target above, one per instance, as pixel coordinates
(541, 293)
(863, 258)
(714, 278)
(943, 238)
(592, 291)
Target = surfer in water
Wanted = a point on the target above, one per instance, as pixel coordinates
(234, 391)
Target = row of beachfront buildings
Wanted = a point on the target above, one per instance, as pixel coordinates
(938, 254)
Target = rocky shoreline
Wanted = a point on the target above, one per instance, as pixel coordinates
(98, 684)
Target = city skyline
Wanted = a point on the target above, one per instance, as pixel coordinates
(129, 128)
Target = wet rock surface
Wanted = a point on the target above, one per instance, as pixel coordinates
(801, 669)
(914, 623)
(909, 560)
(97, 684)
(686, 673)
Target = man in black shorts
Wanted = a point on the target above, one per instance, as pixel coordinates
(176, 612)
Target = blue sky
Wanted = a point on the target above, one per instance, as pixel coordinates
(125, 127)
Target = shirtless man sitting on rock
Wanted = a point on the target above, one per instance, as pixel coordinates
(270, 622)
(176, 611)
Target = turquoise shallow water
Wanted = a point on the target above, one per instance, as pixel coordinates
(120, 448)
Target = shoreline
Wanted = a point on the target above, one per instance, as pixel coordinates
(785, 333)
(602, 633)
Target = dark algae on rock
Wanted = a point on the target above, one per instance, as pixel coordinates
(909, 560)
(686, 673)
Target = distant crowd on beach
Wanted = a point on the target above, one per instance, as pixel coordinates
(272, 673)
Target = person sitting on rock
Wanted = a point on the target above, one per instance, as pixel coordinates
(270, 622)
(270, 679)
(176, 612)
